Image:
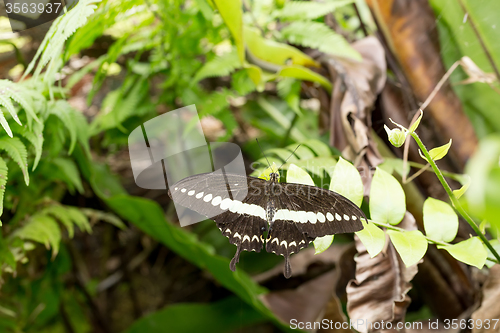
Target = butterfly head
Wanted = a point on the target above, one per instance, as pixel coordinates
(274, 177)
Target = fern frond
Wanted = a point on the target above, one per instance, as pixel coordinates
(296, 10)
(119, 105)
(319, 36)
(22, 95)
(70, 173)
(3, 181)
(35, 137)
(61, 29)
(98, 215)
(215, 103)
(62, 110)
(17, 151)
(79, 219)
(61, 214)
(10, 107)
(43, 229)
(219, 66)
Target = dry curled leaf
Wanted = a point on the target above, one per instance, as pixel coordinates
(379, 292)
(490, 308)
(357, 85)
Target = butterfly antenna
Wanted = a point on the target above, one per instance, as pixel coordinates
(263, 152)
(290, 156)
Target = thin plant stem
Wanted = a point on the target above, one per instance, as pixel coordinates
(452, 196)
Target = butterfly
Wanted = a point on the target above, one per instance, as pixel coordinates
(246, 208)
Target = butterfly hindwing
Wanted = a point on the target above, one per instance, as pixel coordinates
(285, 239)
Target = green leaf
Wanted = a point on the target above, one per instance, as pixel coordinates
(414, 127)
(387, 198)
(228, 315)
(219, 66)
(268, 171)
(295, 10)
(303, 73)
(231, 12)
(471, 251)
(411, 245)
(283, 154)
(289, 91)
(394, 164)
(440, 220)
(483, 195)
(317, 165)
(42, 229)
(318, 35)
(465, 181)
(3, 181)
(318, 147)
(372, 237)
(346, 180)
(298, 176)
(321, 244)
(440, 152)
(275, 52)
(496, 245)
(17, 151)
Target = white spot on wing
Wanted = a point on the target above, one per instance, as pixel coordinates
(321, 217)
(246, 237)
(191, 192)
(256, 238)
(237, 235)
(302, 216)
(235, 206)
(346, 217)
(329, 216)
(183, 190)
(292, 244)
(226, 203)
(354, 218)
(284, 242)
(207, 197)
(199, 195)
(176, 188)
(216, 201)
(311, 217)
(275, 240)
(338, 217)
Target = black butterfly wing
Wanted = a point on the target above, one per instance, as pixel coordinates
(304, 212)
(236, 203)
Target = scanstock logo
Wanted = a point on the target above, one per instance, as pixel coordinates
(171, 147)
(27, 14)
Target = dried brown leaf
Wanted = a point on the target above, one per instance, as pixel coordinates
(379, 292)
(490, 307)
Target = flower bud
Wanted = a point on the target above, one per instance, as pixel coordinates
(396, 136)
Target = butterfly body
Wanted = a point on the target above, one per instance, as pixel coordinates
(244, 208)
